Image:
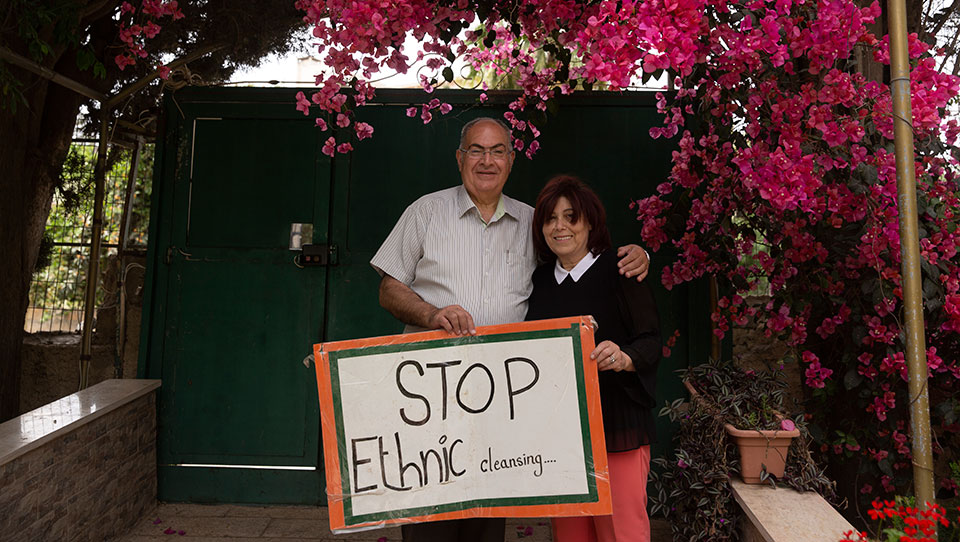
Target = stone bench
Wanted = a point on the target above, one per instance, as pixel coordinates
(83, 467)
(785, 515)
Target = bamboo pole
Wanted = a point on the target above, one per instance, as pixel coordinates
(47, 73)
(910, 255)
(93, 266)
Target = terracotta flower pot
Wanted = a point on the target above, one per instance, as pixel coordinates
(761, 448)
(757, 448)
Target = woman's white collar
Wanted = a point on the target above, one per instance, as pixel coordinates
(578, 270)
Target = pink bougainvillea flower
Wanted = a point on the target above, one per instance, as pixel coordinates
(363, 130)
(344, 148)
(322, 124)
(151, 29)
(329, 146)
(342, 120)
(787, 425)
(123, 61)
(157, 521)
(532, 148)
(303, 104)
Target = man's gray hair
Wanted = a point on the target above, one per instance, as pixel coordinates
(478, 120)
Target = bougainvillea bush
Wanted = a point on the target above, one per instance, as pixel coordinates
(789, 176)
(784, 170)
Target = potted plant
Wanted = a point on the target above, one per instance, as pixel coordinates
(750, 405)
(692, 487)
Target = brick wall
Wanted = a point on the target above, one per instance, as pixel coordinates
(93, 483)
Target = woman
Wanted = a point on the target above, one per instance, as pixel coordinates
(579, 277)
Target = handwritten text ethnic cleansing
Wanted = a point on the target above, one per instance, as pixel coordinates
(439, 464)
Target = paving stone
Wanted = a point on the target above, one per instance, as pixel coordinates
(216, 526)
(291, 512)
(206, 523)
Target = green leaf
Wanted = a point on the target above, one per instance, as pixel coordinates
(885, 466)
(85, 59)
(947, 410)
(552, 106)
(852, 378)
(859, 332)
(931, 289)
(656, 74)
(448, 74)
(491, 36)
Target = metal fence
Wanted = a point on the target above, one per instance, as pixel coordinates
(57, 289)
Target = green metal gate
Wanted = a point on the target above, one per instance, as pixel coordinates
(230, 315)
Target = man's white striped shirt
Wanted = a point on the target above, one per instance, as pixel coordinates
(442, 249)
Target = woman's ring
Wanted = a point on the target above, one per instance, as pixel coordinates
(613, 358)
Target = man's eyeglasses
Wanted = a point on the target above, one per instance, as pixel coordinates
(476, 153)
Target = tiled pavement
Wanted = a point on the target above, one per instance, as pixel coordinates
(230, 523)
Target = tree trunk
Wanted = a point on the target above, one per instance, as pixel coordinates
(36, 140)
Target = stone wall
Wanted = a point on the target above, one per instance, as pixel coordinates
(93, 483)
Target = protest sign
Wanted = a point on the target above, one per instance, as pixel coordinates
(430, 426)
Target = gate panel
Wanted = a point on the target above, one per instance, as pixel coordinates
(239, 411)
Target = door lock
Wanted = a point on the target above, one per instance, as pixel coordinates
(318, 255)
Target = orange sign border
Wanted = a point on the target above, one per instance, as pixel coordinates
(331, 445)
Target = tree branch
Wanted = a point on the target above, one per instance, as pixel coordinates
(951, 54)
(946, 17)
(139, 84)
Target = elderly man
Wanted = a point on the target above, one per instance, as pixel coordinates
(463, 257)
